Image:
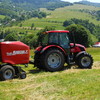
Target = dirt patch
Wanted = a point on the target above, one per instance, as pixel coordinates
(96, 65)
(75, 68)
(48, 17)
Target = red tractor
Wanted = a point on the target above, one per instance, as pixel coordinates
(56, 49)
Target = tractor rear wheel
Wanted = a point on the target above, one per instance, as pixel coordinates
(7, 72)
(85, 61)
(53, 60)
(37, 60)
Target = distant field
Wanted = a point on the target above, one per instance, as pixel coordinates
(72, 12)
(79, 6)
(56, 18)
(2, 17)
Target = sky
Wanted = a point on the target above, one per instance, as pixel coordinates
(95, 1)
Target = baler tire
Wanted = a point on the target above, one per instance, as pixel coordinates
(7, 72)
(23, 75)
(85, 61)
(53, 60)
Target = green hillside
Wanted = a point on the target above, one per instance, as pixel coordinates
(57, 17)
(29, 5)
(90, 3)
(53, 19)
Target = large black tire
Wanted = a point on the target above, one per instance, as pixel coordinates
(85, 61)
(7, 72)
(53, 60)
(37, 61)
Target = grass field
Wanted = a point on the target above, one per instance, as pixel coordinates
(95, 52)
(2, 17)
(69, 84)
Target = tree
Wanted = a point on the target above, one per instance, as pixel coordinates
(67, 22)
(20, 25)
(22, 17)
(32, 26)
(11, 37)
(43, 14)
(30, 40)
(98, 13)
(33, 42)
(82, 35)
(40, 16)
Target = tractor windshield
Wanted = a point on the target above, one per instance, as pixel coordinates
(64, 40)
(61, 39)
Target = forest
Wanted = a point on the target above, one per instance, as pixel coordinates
(29, 5)
(94, 29)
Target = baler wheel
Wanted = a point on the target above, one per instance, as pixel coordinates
(23, 75)
(7, 72)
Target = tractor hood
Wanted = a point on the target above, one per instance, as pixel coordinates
(81, 47)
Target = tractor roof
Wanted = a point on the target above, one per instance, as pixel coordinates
(57, 31)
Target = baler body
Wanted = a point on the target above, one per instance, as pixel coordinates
(14, 52)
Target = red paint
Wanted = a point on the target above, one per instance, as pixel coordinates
(76, 48)
(14, 52)
(96, 43)
(57, 31)
(39, 48)
(45, 48)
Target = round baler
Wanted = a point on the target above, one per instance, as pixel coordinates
(13, 53)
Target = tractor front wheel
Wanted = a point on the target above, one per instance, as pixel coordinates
(53, 60)
(85, 61)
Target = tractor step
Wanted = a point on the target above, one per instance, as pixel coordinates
(70, 60)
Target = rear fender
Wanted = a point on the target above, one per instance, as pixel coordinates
(52, 46)
(38, 49)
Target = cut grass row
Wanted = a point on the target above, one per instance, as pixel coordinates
(69, 84)
(64, 85)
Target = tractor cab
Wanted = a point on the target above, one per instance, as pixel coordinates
(60, 38)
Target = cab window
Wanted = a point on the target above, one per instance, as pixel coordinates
(64, 40)
(53, 38)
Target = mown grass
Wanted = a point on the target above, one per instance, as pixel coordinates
(64, 85)
(69, 84)
(95, 52)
